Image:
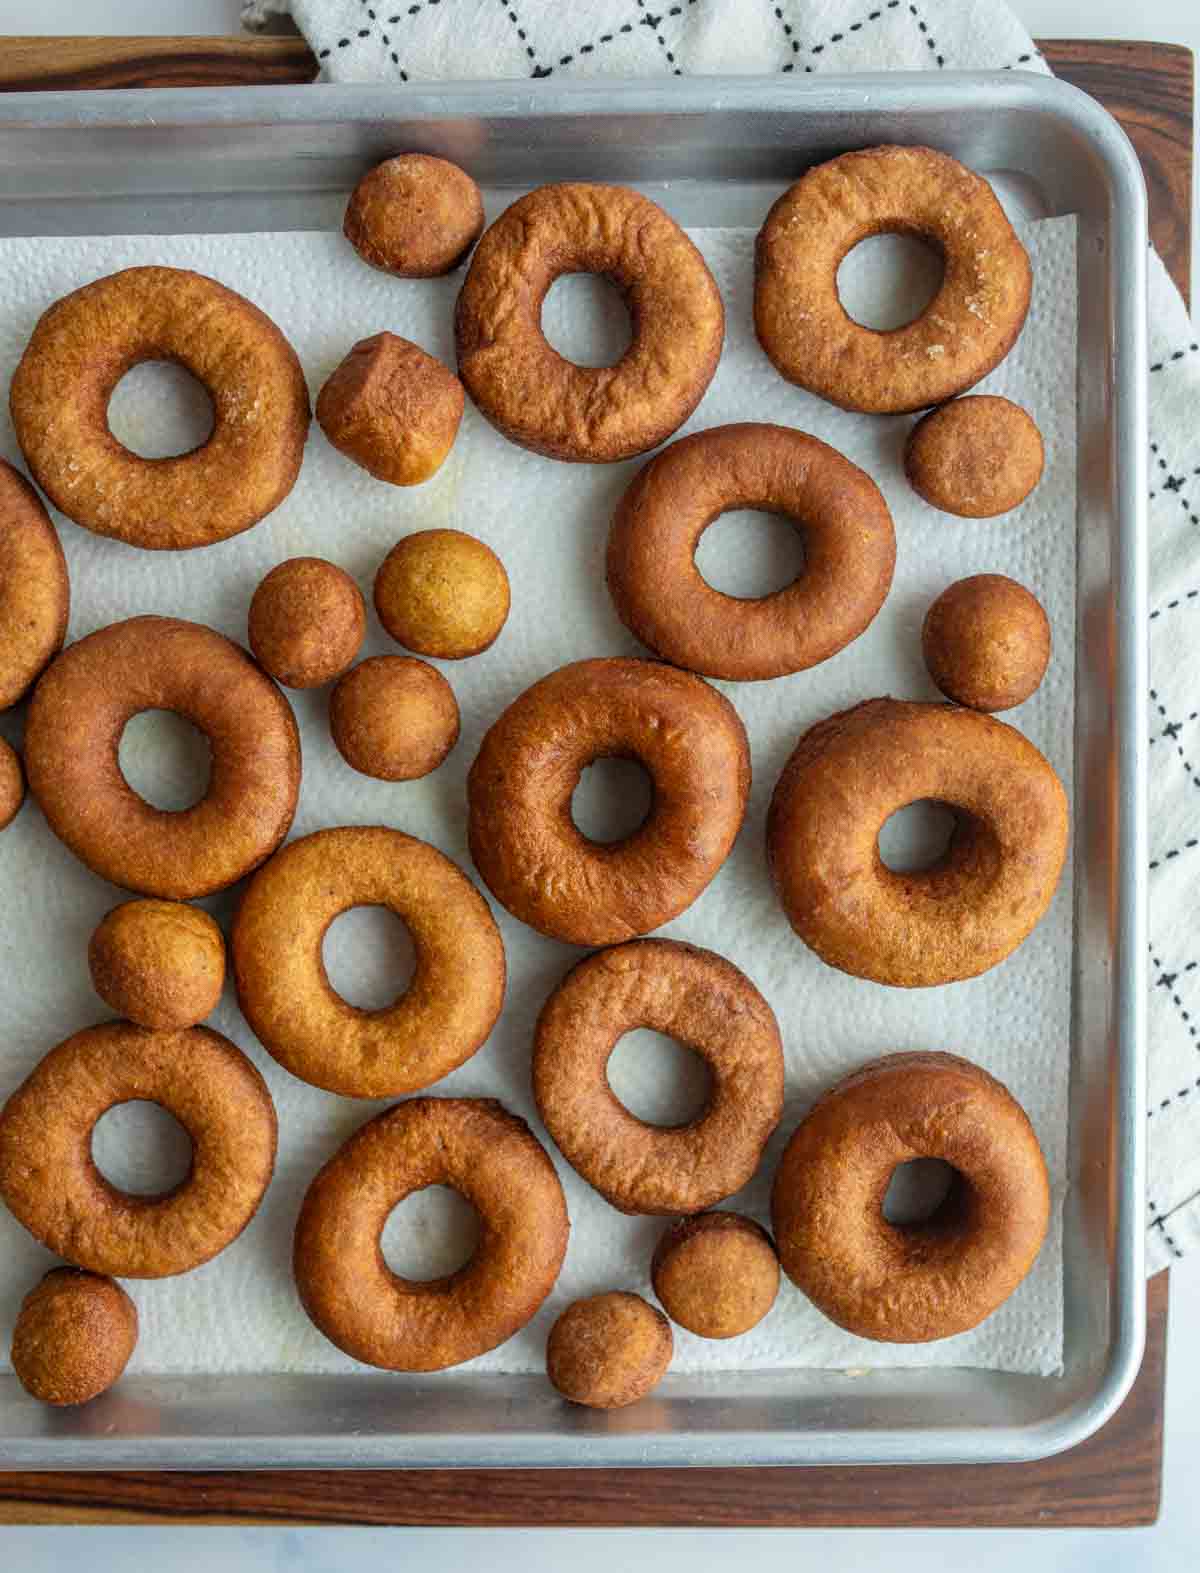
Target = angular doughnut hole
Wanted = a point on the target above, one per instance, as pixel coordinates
(158, 410)
(659, 1081)
(369, 957)
(430, 1234)
(924, 1195)
(887, 281)
(584, 318)
(612, 799)
(165, 759)
(748, 553)
(141, 1148)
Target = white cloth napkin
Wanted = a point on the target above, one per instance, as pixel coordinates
(356, 40)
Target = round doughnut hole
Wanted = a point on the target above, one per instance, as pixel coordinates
(923, 1194)
(159, 410)
(917, 837)
(585, 319)
(430, 1234)
(747, 554)
(613, 799)
(659, 1081)
(369, 957)
(887, 281)
(165, 759)
(141, 1148)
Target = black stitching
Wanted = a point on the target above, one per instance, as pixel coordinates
(1159, 1221)
(1188, 846)
(1180, 600)
(928, 36)
(1174, 484)
(1162, 710)
(835, 38)
(1167, 360)
(1179, 1005)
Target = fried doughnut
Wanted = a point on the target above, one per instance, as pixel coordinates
(35, 595)
(848, 774)
(525, 843)
(159, 963)
(911, 1283)
(74, 1335)
(392, 409)
(12, 784)
(705, 1003)
(491, 1158)
(609, 1350)
(976, 457)
(53, 1187)
(394, 717)
(307, 621)
(438, 1022)
(414, 215)
(72, 736)
(716, 1274)
(82, 347)
(660, 594)
(532, 394)
(442, 593)
(967, 329)
(986, 642)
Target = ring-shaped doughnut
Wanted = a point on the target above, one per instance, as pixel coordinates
(440, 1020)
(51, 1183)
(72, 740)
(35, 595)
(526, 389)
(848, 774)
(81, 348)
(527, 847)
(661, 596)
(491, 1158)
(701, 1001)
(967, 329)
(910, 1283)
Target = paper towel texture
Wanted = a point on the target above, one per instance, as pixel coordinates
(548, 522)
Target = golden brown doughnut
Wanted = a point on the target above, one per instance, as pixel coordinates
(392, 409)
(307, 621)
(82, 347)
(986, 642)
(414, 215)
(525, 843)
(35, 595)
(716, 1274)
(74, 1335)
(532, 394)
(660, 594)
(609, 1350)
(160, 963)
(491, 1158)
(910, 1283)
(79, 710)
(975, 457)
(705, 1003)
(438, 1022)
(12, 784)
(53, 1187)
(394, 717)
(967, 329)
(848, 774)
(442, 593)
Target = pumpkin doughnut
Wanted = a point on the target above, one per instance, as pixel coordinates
(73, 734)
(527, 390)
(986, 642)
(716, 1274)
(53, 1187)
(660, 594)
(609, 1350)
(414, 215)
(705, 1003)
(523, 839)
(438, 1022)
(848, 774)
(967, 329)
(12, 784)
(306, 622)
(975, 457)
(491, 1158)
(35, 596)
(911, 1283)
(159, 963)
(74, 1335)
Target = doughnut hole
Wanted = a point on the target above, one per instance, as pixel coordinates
(158, 410)
(886, 281)
(165, 759)
(659, 1081)
(369, 957)
(938, 849)
(926, 1200)
(612, 799)
(739, 557)
(585, 319)
(142, 1149)
(430, 1235)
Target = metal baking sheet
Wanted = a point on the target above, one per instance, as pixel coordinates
(712, 151)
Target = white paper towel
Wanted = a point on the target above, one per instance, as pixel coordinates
(549, 524)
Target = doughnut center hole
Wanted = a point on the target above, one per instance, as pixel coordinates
(613, 799)
(165, 759)
(917, 837)
(141, 1148)
(159, 410)
(430, 1234)
(369, 957)
(749, 554)
(887, 281)
(659, 1081)
(922, 1193)
(584, 318)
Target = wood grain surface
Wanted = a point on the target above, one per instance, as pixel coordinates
(1113, 1479)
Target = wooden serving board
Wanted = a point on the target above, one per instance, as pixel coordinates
(1112, 1480)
